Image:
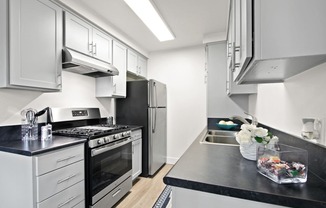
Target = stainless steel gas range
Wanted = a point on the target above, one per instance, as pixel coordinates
(108, 153)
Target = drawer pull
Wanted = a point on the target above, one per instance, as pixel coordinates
(66, 179)
(68, 201)
(116, 193)
(67, 158)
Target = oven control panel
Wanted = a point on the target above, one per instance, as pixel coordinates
(76, 113)
(108, 139)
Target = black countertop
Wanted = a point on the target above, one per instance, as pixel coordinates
(9, 142)
(222, 170)
(30, 148)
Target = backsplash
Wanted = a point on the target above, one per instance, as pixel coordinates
(77, 91)
(316, 152)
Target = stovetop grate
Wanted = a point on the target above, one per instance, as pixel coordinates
(91, 131)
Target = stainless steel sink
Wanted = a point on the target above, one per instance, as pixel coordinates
(218, 137)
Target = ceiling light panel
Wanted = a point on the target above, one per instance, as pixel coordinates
(145, 10)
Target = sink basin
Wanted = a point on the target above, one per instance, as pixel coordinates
(220, 138)
(221, 133)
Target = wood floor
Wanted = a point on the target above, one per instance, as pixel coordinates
(145, 191)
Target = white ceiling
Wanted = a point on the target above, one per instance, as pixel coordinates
(189, 20)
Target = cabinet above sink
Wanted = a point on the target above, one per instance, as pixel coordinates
(276, 40)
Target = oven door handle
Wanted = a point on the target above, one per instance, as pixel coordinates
(110, 147)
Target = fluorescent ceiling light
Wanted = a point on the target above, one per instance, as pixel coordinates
(145, 10)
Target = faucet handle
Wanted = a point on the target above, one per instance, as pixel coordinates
(254, 120)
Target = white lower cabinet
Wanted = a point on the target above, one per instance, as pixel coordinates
(66, 198)
(53, 179)
(58, 180)
(136, 137)
(182, 197)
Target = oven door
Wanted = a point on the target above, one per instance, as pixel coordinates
(110, 165)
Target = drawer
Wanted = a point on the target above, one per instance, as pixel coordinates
(115, 195)
(65, 199)
(58, 180)
(53, 160)
(136, 134)
(80, 205)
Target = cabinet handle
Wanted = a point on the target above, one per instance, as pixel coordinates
(95, 49)
(66, 202)
(59, 81)
(66, 179)
(90, 48)
(67, 158)
(115, 88)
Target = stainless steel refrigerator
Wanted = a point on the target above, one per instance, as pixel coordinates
(145, 105)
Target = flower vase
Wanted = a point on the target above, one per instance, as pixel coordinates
(249, 151)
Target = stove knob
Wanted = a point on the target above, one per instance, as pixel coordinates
(117, 136)
(100, 141)
(125, 134)
(107, 139)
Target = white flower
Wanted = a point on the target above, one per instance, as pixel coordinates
(274, 140)
(248, 127)
(244, 136)
(250, 134)
(260, 132)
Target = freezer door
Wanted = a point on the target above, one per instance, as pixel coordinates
(157, 94)
(156, 139)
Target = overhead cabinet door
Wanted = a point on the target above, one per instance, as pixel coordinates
(35, 31)
(83, 37)
(120, 61)
(78, 34)
(102, 45)
(132, 62)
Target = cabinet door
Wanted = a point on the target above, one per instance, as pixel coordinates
(102, 46)
(120, 61)
(132, 62)
(142, 66)
(35, 31)
(136, 158)
(78, 34)
(245, 49)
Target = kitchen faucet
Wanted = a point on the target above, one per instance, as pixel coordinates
(253, 119)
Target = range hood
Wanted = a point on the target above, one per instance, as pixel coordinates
(82, 64)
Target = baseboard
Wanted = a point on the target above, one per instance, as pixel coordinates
(171, 160)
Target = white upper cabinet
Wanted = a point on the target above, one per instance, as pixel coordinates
(115, 86)
(84, 38)
(142, 66)
(102, 46)
(78, 34)
(277, 41)
(31, 43)
(233, 53)
(136, 64)
(120, 62)
(132, 62)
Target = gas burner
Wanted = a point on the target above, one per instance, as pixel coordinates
(91, 131)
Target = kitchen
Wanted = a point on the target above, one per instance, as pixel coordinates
(279, 105)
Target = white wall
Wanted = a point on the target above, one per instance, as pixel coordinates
(183, 71)
(283, 105)
(219, 104)
(77, 91)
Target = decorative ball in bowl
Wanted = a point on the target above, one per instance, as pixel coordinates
(226, 125)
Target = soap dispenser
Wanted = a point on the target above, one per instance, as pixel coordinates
(311, 129)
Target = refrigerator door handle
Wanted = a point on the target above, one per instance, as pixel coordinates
(155, 111)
